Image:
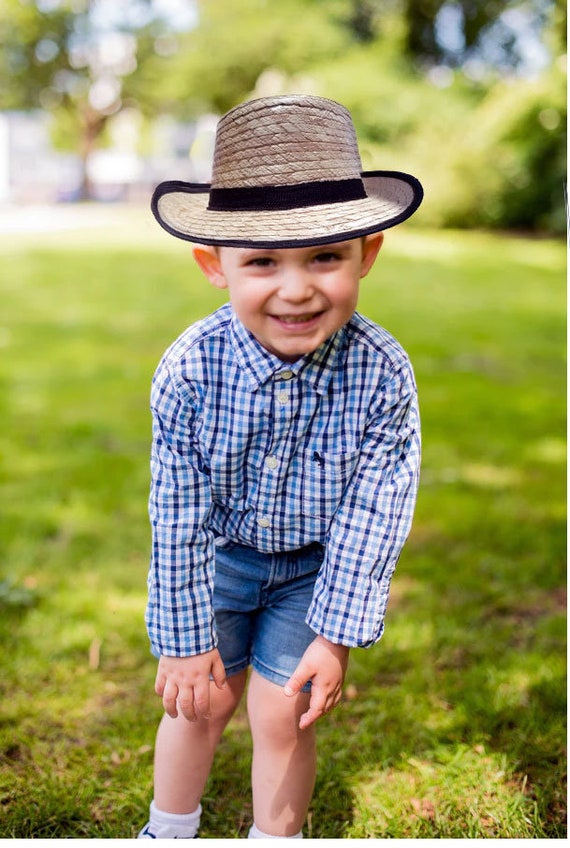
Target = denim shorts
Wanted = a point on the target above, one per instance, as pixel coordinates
(260, 605)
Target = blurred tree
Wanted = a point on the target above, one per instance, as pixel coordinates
(362, 20)
(456, 31)
(218, 63)
(76, 59)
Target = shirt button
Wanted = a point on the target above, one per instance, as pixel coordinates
(263, 522)
(285, 375)
(283, 397)
(271, 461)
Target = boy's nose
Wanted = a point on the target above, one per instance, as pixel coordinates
(296, 287)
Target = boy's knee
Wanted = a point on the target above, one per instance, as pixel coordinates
(224, 701)
(273, 715)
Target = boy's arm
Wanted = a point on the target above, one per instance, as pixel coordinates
(363, 546)
(372, 522)
(179, 613)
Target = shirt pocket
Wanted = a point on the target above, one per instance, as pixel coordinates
(325, 476)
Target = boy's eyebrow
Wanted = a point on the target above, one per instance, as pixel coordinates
(338, 245)
(247, 252)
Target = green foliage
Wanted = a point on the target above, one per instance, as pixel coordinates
(391, 104)
(56, 58)
(473, 19)
(502, 163)
(454, 725)
(218, 64)
(531, 156)
(13, 596)
(492, 158)
(25, 66)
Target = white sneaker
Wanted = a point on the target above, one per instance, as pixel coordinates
(146, 833)
(170, 825)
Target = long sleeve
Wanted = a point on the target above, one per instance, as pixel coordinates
(179, 613)
(372, 522)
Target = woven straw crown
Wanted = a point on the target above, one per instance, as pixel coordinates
(286, 172)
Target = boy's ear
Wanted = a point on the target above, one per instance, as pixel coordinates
(370, 248)
(208, 260)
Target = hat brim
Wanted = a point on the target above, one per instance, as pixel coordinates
(182, 210)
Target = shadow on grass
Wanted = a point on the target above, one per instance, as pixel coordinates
(409, 710)
(499, 703)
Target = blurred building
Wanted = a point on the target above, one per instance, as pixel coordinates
(29, 170)
(135, 159)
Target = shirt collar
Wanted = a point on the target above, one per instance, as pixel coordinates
(260, 366)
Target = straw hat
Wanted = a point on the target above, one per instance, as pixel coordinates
(286, 173)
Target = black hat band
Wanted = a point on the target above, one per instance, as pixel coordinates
(265, 198)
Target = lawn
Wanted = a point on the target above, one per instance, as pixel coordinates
(454, 726)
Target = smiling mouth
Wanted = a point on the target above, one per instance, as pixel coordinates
(298, 319)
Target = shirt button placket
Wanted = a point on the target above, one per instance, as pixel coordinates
(281, 421)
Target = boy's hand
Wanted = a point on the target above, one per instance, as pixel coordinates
(186, 681)
(324, 664)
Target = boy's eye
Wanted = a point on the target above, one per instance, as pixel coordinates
(260, 261)
(327, 256)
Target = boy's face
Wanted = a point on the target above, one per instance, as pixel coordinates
(291, 299)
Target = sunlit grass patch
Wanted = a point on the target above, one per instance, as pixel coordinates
(467, 793)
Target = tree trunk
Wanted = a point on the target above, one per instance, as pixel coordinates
(93, 124)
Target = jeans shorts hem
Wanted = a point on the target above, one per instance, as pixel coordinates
(275, 676)
(236, 668)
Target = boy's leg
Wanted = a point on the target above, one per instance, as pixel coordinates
(284, 758)
(185, 750)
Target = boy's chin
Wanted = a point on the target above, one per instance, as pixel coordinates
(294, 353)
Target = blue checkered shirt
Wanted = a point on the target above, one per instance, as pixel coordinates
(276, 456)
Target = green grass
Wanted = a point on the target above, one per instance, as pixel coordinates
(454, 725)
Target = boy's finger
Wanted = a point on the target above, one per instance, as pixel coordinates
(317, 707)
(169, 700)
(298, 679)
(187, 707)
(295, 682)
(309, 718)
(202, 698)
(219, 673)
(159, 684)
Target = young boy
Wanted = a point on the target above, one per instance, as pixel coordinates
(285, 456)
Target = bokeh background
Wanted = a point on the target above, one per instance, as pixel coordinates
(454, 726)
(470, 95)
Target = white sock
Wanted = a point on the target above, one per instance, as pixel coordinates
(256, 833)
(171, 825)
